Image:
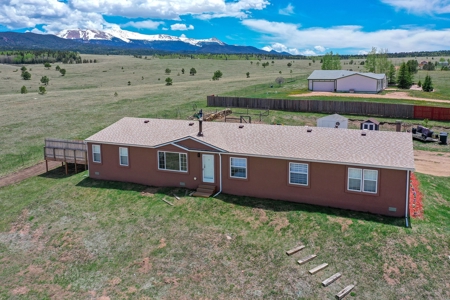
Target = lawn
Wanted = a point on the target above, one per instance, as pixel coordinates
(73, 237)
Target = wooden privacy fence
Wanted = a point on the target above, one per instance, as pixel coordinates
(65, 151)
(387, 110)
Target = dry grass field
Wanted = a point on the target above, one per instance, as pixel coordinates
(83, 101)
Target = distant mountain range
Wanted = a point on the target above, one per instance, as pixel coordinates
(116, 39)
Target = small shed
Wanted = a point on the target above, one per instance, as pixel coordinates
(370, 124)
(333, 121)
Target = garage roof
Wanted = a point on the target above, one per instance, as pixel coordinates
(336, 74)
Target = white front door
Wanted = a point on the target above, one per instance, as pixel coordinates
(208, 167)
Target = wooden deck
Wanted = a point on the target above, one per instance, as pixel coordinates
(65, 151)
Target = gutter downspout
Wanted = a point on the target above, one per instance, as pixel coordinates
(220, 176)
(407, 199)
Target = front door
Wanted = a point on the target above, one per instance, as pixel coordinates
(208, 167)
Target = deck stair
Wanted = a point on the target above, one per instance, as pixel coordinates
(204, 191)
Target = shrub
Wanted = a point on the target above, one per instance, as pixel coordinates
(62, 71)
(23, 90)
(193, 71)
(248, 74)
(168, 71)
(217, 75)
(26, 75)
(42, 90)
(168, 81)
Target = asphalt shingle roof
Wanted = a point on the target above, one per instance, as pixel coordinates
(344, 146)
(336, 74)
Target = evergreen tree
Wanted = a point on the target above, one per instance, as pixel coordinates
(26, 75)
(45, 80)
(168, 81)
(404, 78)
(192, 71)
(427, 84)
(217, 75)
(391, 74)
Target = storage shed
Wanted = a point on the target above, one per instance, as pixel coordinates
(332, 121)
(344, 81)
(370, 124)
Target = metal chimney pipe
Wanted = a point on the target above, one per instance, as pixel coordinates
(200, 123)
(200, 127)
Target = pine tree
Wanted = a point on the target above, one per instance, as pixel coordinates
(391, 74)
(404, 78)
(427, 84)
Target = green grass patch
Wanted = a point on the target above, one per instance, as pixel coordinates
(79, 235)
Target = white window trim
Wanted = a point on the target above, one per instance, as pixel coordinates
(376, 182)
(179, 161)
(120, 157)
(369, 126)
(361, 185)
(246, 168)
(307, 174)
(99, 152)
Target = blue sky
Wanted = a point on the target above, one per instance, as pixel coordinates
(298, 27)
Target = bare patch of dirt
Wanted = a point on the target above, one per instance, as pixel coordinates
(23, 290)
(132, 290)
(23, 174)
(262, 214)
(149, 192)
(162, 243)
(279, 223)
(393, 95)
(342, 221)
(115, 281)
(171, 280)
(432, 163)
(146, 266)
(389, 272)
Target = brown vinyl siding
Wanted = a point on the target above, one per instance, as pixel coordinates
(266, 178)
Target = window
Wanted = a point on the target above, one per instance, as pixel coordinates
(238, 167)
(96, 154)
(298, 173)
(369, 126)
(172, 161)
(123, 156)
(362, 180)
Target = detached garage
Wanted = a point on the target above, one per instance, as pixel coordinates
(346, 81)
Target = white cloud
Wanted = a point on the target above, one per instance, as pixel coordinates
(288, 10)
(57, 15)
(421, 6)
(181, 27)
(320, 48)
(350, 37)
(281, 48)
(148, 24)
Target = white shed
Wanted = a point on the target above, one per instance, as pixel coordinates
(332, 121)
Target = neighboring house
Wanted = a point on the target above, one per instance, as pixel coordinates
(348, 169)
(346, 81)
(422, 63)
(370, 124)
(333, 121)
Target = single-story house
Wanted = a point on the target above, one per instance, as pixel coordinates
(333, 121)
(348, 169)
(370, 124)
(346, 81)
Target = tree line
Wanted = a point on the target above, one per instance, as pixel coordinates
(40, 57)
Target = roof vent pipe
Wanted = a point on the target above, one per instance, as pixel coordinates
(200, 123)
(308, 129)
(364, 132)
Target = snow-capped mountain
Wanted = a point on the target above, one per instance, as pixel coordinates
(129, 36)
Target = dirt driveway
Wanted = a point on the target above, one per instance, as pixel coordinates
(432, 163)
(393, 95)
(27, 173)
